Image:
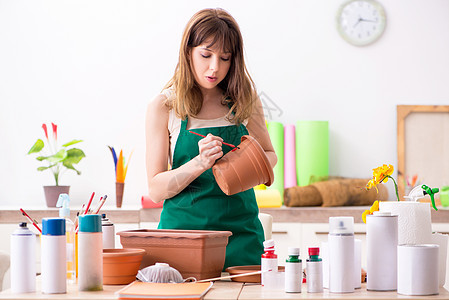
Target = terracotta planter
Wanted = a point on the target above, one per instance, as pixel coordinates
(243, 168)
(120, 266)
(194, 253)
(119, 189)
(52, 193)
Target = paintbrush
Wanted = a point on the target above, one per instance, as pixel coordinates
(227, 144)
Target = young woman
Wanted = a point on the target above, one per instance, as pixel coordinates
(211, 93)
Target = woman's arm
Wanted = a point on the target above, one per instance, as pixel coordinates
(164, 183)
(258, 129)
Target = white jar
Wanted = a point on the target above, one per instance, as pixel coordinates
(53, 256)
(23, 260)
(90, 253)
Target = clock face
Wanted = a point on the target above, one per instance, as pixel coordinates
(361, 22)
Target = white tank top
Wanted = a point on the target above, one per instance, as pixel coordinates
(174, 124)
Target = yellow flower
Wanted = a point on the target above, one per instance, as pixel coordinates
(373, 208)
(366, 212)
(382, 174)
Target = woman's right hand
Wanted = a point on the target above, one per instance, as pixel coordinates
(210, 150)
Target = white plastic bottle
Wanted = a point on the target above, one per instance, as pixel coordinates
(293, 271)
(53, 256)
(269, 260)
(108, 233)
(314, 272)
(341, 254)
(90, 253)
(23, 260)
(64, 212)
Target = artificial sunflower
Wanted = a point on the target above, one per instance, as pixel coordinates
(381, 174)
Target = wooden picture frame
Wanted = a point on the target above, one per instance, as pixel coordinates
(404, 111)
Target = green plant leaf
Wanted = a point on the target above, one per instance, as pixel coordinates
(71, 167)
(45, 168)
(37, 147)
(41, 158)
(58, 157)
(72, 143)
(74, 156)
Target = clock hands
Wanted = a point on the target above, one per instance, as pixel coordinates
(363, 20)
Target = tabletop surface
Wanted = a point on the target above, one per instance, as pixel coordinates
(225, 290)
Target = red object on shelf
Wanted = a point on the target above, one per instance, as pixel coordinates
(148, 203)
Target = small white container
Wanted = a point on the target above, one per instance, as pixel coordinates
(23, 260)
(293, 271)
(341, 254)
(108, 233)
(418, 269)
(314, 267)
(90, 253)
(269, 260)
(53, 256)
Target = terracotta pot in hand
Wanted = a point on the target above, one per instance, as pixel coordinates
(243, 168)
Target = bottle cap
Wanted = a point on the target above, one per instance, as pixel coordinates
(341, 225)
(314, 251)
(23, 230)
(63, 203)
(90, 223)
(293, 251)
(268, 244)
(53, 226)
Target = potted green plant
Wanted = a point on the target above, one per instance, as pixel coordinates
(58, 159)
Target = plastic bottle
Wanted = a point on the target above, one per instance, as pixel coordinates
(64, 212)
(293, 271)
(108, 233)
(341, 254)
(23, 260)
(53, 256)
(314, 267)
(269, 260)
(90, 253)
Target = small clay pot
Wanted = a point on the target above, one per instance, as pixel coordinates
(119, 189)
(52, 193)
(120, 266)
(243, 168)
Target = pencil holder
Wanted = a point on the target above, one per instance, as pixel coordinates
(119, 188)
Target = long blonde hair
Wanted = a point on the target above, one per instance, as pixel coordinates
(239, 89)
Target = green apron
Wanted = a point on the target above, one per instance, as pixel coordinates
(202, 205)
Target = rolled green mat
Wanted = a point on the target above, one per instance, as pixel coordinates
(312, 151)
(276, 132)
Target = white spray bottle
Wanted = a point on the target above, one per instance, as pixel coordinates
(64, 212)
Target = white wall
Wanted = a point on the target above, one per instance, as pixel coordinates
(92, 66)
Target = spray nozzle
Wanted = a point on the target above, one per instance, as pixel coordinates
(421, 191)
(63, 204)
(431, 192)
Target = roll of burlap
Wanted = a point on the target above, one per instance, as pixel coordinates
(335, 192)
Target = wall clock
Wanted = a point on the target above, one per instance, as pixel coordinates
(361, 22)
